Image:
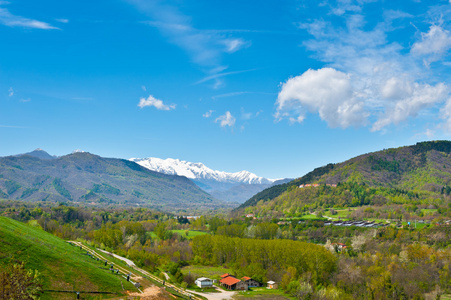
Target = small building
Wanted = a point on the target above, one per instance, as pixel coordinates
(272, 285)
(232, 283)
(204, 282)
(249, 215)
(251, 282)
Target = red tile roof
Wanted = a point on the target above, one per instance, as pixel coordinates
(245, 278)
(225, 275)
(230, 280)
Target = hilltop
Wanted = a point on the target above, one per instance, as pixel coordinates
(85, 178)
(422, 171)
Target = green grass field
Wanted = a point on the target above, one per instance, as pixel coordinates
(206, 271)
(191, 233)
(61, 265)
(342, 214)
(263, 293)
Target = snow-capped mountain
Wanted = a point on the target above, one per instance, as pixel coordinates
(235, 187)
(199, 171)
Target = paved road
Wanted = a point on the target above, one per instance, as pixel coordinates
(218, 296)
(127, 261)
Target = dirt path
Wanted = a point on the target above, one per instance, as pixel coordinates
(149, 293)
(218, 296)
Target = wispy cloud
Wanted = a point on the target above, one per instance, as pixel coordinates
(157, 103)
(219, 75)
(368, 79)
(226, 120)
(8, 19)
(226, 95)
(11, 92)
(12, 126)
(25, 100)
(205, 48)
(208, 114)
(65, 21)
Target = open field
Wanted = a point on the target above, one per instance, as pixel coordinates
(262, 293)
(191, 233)
(206, 271)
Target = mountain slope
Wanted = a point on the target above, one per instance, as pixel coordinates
(232, 187)
(87, 178)
(39, 153)
(424, 167)
(62, 266)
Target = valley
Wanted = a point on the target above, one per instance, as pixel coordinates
(342, 231)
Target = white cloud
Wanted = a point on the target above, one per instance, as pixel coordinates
(233, 45)
(435, 43)
(445, 113)
(226, 120)
(152, 101)
(411, 98)
(65, 21)
(25, 100)
(8, 19)
(327, 92)
(11, 92)
(369, 79)
(143, 87)
(208, 114)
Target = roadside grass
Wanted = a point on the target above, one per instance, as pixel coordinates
(206, 271)
(445, 297)
(263, 293)
(195, 288)
(61, 265)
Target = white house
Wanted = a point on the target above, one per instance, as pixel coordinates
(204, 282)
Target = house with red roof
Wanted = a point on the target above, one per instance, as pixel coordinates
(231, 283)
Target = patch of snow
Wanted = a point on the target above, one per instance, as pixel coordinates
(191, 170)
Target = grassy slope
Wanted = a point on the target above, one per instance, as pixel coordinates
(62, 266)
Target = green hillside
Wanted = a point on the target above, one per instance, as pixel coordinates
(62, 266)
(85, 178)
(421, 171)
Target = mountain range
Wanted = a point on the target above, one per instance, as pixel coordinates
(423, 170)
(231, 187)
(89, 179)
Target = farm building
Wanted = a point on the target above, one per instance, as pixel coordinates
(272, 285)
(204, 282)
(231, 283)
(251, 282)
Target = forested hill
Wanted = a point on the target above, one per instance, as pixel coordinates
(90, 179)
(425, 166)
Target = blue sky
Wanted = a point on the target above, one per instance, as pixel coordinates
(274, 87)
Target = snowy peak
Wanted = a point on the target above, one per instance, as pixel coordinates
(199, 171)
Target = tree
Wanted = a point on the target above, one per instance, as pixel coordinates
(161, 231)
(16, 282)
